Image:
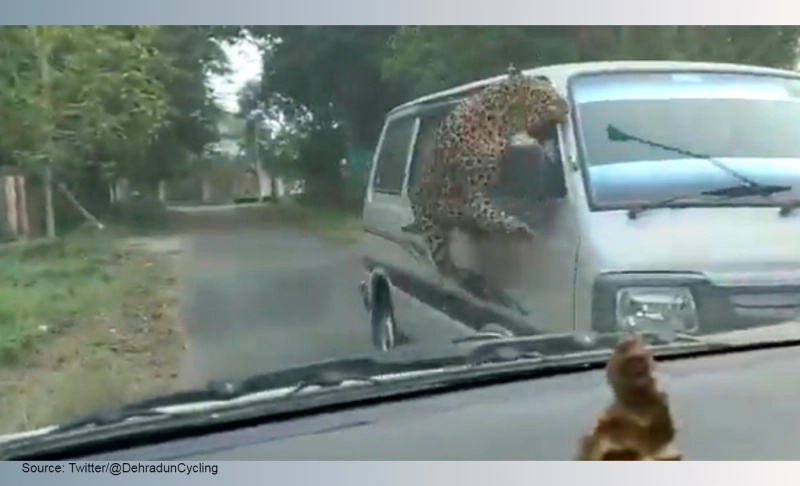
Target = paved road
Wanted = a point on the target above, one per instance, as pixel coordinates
(260, 300)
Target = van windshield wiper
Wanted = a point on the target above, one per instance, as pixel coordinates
(329, 385)
(711, 198)
(746, 188)
(346, 380)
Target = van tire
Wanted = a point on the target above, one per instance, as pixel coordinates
(385, 335)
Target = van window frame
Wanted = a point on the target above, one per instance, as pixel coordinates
(435, 108)
(423, 114)
(391, 123)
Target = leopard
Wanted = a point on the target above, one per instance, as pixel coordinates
(452, 189)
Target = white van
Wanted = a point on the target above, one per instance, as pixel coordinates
(668, 202)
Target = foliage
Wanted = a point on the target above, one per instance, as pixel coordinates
(433, 58)
(69, 93)
(192, 117)
(95, 103)
(131, 97)
(332, 71)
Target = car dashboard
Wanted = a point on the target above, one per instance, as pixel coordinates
(738, 406)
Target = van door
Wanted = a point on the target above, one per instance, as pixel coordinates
(544, 289)
(385, 211)
(449, 309)
(422, 269)
(416, 288)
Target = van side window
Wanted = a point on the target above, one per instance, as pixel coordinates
(393, 156)
(426, 142)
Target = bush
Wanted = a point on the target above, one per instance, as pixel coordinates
(143, 213)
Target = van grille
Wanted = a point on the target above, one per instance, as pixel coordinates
(766, 306)
(740, 307)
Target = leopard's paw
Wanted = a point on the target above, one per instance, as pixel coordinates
(518, 229)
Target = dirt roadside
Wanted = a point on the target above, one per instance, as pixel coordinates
(93, 325)
(87, 324)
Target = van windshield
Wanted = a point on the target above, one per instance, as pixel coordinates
(748, 122)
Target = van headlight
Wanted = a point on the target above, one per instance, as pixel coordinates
(656, 309)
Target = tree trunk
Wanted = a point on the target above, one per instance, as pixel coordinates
(11, 205)
(22, 201)
(49, 210)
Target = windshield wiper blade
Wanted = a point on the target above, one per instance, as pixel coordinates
(369, 369)
(676, 202)
(325, 374)
(764, 190)
(494, 348)
(710, 197)
(550, 350)
(469, 351)
(151, 408)
(480, 363)
(672, 202)
(379, 368)
(739, 190)
(748, 187)
(110, 417)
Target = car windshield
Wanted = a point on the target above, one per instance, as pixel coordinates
(744, 121)
(186, 207)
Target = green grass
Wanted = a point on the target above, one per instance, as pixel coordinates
(83, 324)
(46, 287)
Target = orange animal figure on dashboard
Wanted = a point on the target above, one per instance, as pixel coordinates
(638, 425)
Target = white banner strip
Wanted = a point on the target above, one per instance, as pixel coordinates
(401, 473)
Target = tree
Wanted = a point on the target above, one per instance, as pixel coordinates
(70, 93)
(192, 116)
(332, 71)
(428, 59)
(326, 82)
(269, 140)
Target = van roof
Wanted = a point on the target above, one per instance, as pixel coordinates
(560, 73)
